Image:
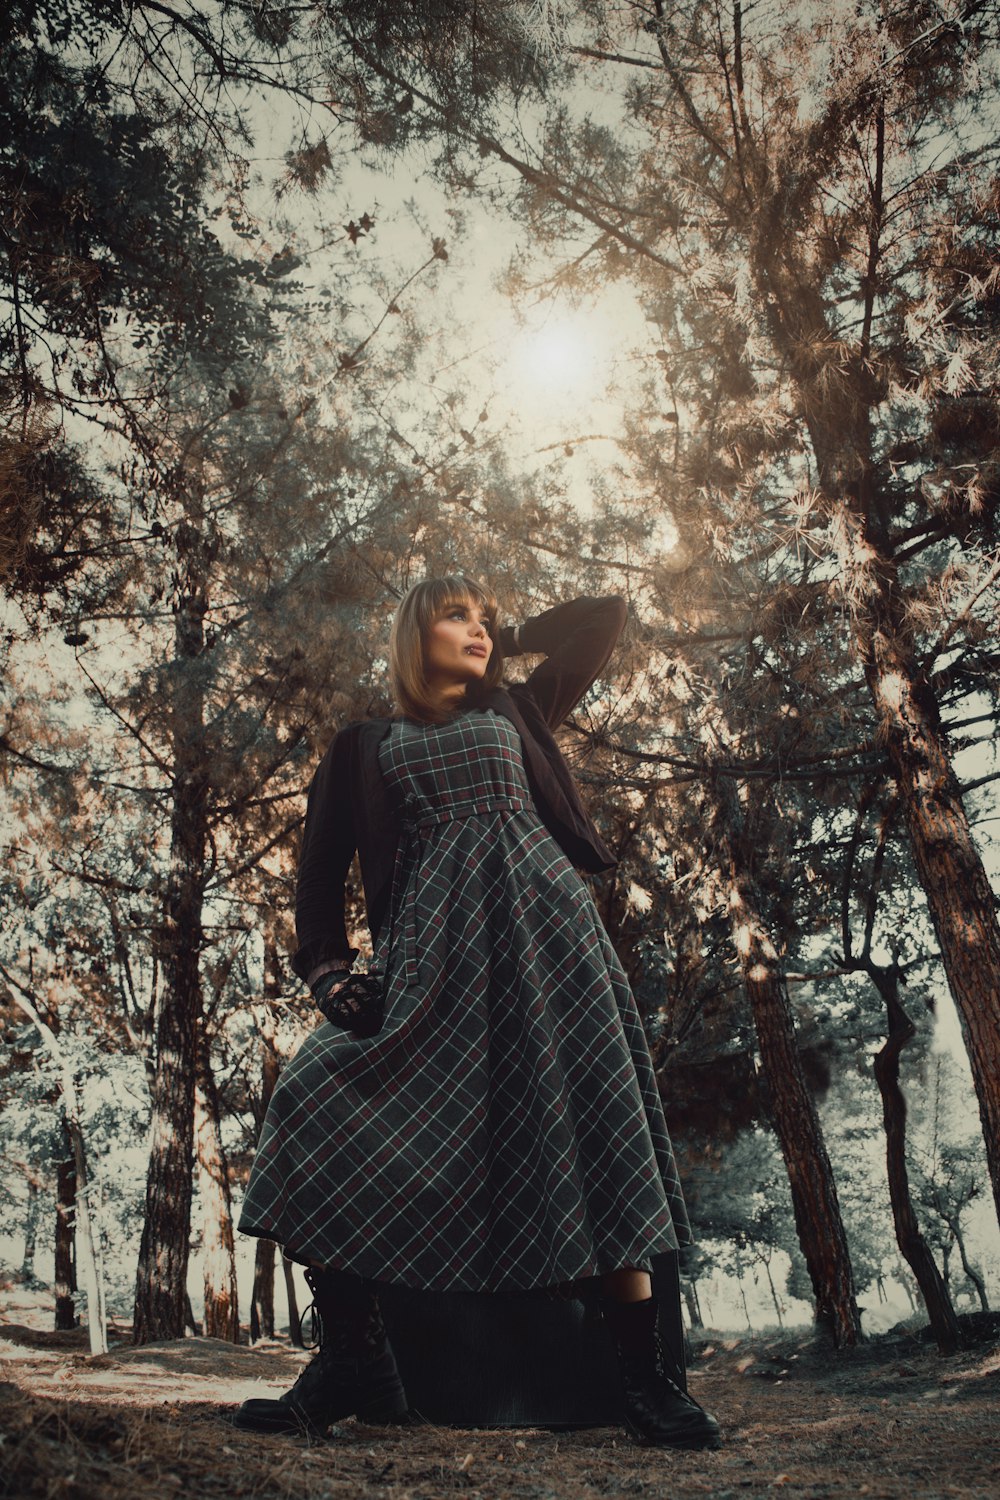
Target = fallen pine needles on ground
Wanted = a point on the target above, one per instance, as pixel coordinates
(888, 1421)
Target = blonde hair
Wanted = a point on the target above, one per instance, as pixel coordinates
(419, 607)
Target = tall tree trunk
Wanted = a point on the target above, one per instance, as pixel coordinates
(262, 1298)
(161, 1279)
(954, 1223)
(810, 1174)
(222, 1319)
(294, 1322)
(969, 1269)
(774, 1294)
(912, 1245)
(815, 1205)
(904, 1282)
(65, 1273)
(692, 1302)
(30, 1233)
(69, 1099)
(836, 402)
(262, 1304)
(952, 874)
(743, 1299)
(88, 1256)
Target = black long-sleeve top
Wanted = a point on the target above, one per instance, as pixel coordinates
(350, 810)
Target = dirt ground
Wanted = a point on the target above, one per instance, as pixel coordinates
(889, 1419)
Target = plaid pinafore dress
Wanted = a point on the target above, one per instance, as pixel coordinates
(503, 1130)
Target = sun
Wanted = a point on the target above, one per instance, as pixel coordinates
(563, 359)
(560, 353)
(563, 371)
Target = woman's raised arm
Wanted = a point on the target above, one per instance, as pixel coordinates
(577, 639)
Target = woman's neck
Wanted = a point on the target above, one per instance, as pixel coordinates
(448, 699)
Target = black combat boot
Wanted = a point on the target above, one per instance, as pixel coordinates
(657, 1411)
(353, 1375)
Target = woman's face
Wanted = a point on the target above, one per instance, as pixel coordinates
(457, 647)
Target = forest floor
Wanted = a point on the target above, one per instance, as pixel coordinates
(891, 1418)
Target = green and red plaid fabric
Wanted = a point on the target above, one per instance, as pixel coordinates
(504, 1129)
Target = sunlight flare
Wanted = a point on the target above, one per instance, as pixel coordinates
(566, 360)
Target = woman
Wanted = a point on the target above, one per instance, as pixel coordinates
(502, 1129)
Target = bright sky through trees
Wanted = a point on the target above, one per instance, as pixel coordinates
(550, 364)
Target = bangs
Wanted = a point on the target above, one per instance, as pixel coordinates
(458, 601)
(442, 594)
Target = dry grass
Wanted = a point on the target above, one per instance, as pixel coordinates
(891, 1419)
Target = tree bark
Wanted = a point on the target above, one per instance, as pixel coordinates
(810, 1174)
(690, 1286)
(951, 871)
(262, 1304)
(774, 1294)
(84, 1240)
(262, 1300)
(954, 1223)
(65, 1273)
(30, 1233)
(904, 1282)
(912, 1245)
(161, 1279)
(294, 1322)
(743, 1299)
(87, 1249)
(796, 1123)
(221, 1319)
(969, 1268)
(836, 403)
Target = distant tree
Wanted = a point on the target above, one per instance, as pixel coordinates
(741, 1210)
(888, 979)
(29, 992)
(949, 1175)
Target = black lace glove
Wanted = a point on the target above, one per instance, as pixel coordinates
(353, 1001)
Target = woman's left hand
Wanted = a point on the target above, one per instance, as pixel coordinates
(353, 1003)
